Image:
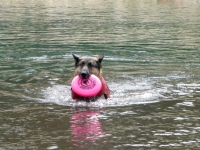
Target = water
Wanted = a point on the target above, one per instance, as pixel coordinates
(151, 65)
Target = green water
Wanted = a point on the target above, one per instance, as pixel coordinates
(151, 64)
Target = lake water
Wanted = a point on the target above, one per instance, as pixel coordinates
(151, 64)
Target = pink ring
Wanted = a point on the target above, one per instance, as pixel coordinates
(86, 87)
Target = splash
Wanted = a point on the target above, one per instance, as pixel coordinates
(129, 92)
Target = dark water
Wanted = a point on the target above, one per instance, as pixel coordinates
(151, 64)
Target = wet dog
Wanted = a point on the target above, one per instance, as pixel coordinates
(84, 67)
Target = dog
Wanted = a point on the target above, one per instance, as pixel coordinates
(84, 67)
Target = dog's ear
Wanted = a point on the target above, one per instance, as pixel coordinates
(100, 58)
(76, 58)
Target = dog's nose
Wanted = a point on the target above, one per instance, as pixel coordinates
(84, 74)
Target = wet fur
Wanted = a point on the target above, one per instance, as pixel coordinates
(91, 65)
(84, 67)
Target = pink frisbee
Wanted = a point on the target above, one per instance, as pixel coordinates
(86, 87)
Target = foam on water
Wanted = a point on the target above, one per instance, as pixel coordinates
(127, 91)
(122, 93)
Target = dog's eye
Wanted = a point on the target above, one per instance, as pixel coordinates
(82, 64)
(90, 65)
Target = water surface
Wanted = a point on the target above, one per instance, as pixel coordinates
(151, 65)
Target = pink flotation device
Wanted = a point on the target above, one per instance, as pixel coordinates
(86, 87)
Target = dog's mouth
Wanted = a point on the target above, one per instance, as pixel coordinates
(84, 74)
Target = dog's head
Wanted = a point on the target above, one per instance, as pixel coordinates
(85, 66)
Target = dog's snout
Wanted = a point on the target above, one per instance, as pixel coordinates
(84, 74)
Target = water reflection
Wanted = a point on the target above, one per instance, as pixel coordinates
(86, 128)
